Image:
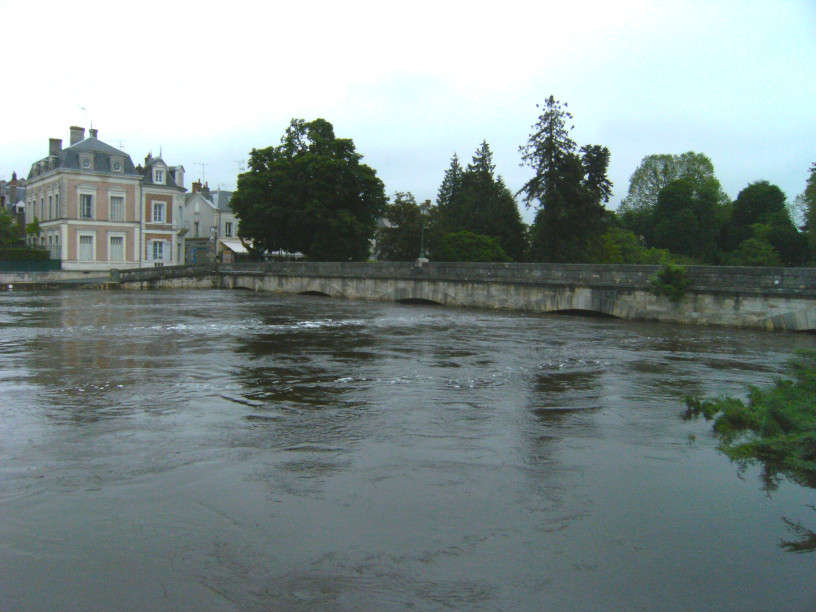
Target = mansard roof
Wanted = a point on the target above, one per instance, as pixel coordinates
(103, 159)
(147, 178)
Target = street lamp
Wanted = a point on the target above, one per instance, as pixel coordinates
(423, 210)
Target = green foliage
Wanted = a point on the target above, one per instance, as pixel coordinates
(686, 218)
(620, 246)
(568, 186)
(310, 194)
(657, 171)
(23, 254)
(477, 200)
(696, 213)
(9, 233)
(754, 252)
(33, 228)
(670, 280)
(400, 236)
(467, 246)
(776, 428)
(760, 212)
(809, 200)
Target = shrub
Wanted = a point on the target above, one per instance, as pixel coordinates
(670, 280)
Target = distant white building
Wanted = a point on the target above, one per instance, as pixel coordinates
(209, 226)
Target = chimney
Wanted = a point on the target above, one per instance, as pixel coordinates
(77, 134)
(13, 188)
(205, 191)
(93, 132)
(196, 186)
(54, 146)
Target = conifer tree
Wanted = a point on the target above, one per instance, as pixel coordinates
(568, 188)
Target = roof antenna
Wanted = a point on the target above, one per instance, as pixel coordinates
(202, 169)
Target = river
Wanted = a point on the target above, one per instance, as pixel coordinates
(217, 450)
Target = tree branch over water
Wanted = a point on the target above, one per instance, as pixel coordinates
(776, 428)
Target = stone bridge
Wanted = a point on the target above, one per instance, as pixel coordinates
(765, 298)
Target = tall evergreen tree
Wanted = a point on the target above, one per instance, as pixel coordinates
(449, 191)
(475, 200)
(569, 189)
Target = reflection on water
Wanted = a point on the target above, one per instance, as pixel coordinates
(229, 450)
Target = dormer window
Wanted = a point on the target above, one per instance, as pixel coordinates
(117, 165)
(158, 177)
(86, 162)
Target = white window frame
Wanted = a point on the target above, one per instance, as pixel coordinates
(111, 196)
(121, 235)
(90, 194)
(156, 206)
(158, 176)
(80, 236)
(152, 246)
(228, 229)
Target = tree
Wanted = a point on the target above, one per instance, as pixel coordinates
(310, 194)
(477, 201)
(754, 252)
(760, 211)
(686, 218)
(568, 188)
(399, 236)
(9, 232)
(808, 198)
(657, 171)
(636, 212)
(447, 197)
(467, 246)
(620, 246)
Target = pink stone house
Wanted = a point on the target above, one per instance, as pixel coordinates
(97, 211)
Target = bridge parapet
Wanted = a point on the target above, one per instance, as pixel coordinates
(794, 282)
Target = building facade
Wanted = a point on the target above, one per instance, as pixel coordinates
(206, 221)
(97, 211)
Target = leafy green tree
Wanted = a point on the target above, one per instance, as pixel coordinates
(621, 246)
(569, 188)
(9, 232)
(755, 252)
(399, 236)
(686, 214)
(310, 194)
(467, 246)
(478, 201)
(636, 212)
(760, 211)
(808, 200)
(657, 171)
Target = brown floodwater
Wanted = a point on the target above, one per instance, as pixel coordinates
(216, 450)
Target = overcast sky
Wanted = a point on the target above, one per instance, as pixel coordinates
(412, 83)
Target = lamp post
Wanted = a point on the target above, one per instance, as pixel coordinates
(423, 210)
